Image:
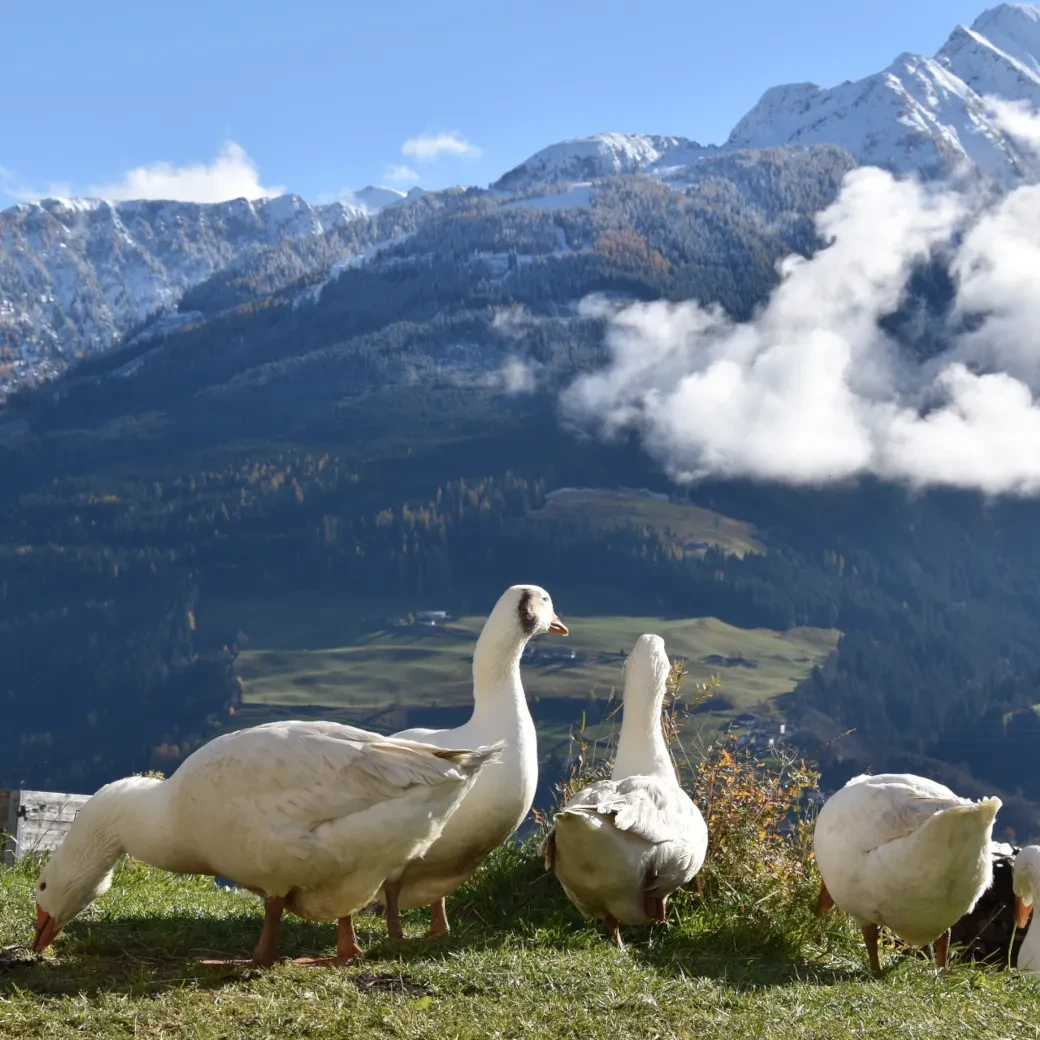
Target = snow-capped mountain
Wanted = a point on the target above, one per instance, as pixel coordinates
(925, 115)
(599, 156)
(77, 275)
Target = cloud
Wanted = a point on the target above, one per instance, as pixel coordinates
(231, 175)
(400, 174)
(1016, 118)
(812, 390)
(427, 147)
(518, 376)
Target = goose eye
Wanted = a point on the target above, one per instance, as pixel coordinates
(43, 885)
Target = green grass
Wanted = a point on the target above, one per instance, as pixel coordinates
(519, 963)
(308, 654)
(608, 510)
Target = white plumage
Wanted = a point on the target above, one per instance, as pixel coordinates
(501, 796)
(1026, 884)
(310, 815)
(905, 852)
(620, 847)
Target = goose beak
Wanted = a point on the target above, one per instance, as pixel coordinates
(46, 932)
(557, 627)
(1022, 913)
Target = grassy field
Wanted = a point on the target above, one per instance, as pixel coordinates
(689, 526)
(305, 654)
(519, 963)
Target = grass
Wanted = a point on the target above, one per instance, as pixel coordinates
(519, 963)
(689, 527)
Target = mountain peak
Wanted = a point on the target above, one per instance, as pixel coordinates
(597, 156)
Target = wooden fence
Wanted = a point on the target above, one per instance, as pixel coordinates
(35, 821)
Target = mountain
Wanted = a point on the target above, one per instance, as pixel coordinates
(925, 115)
(77, 274)
(78, 277)
(599, 156)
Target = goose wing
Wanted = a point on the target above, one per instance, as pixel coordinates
(891, 806)
(303, 774)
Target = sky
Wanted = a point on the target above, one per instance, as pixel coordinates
(222, 99)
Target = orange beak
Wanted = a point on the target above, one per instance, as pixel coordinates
(46, 932)
(1022, 913)
(557, 627)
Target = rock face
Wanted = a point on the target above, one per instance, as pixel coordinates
(988, 932)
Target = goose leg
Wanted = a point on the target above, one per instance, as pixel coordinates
(654, 907)
(439, 926)
(825, 902)
(942, 949)
(391, 891)
(347, 949)
(266, 952)
(615, 931)
(870, 936)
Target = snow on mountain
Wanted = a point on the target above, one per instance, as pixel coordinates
(602, 155)
(925, 115)
(76, 274)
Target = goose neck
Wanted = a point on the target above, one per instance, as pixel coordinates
(497, 687)
(642, 750)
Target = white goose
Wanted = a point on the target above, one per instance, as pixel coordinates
(310, 815)
(620, 847)
(904, 852)
(1027, 891)
(502, 796)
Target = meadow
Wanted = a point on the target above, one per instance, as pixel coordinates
(313, 656)
(520, 962)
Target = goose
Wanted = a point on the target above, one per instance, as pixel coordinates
(312, 816)
(620, 847)
(905, 852)
(501, 797)
(1026, 882)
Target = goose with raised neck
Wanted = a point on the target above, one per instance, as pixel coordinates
(502, 796)
(621, 847)
(903, 852)
(309, 815)
(1026, 883)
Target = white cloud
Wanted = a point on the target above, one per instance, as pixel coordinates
(1016, 118)
(518, 376)
(811, 390)
(400, 174)
(231, 175)
(427, 147)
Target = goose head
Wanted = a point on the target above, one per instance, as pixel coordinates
(1026, 883)
(646, 673)
(521, 612)
(80, 869)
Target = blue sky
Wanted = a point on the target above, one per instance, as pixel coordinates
(318, 97)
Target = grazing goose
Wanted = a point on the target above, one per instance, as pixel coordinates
(1027, 890)
(312, 816)
(904, 852)
(502, 795)
(620, 847)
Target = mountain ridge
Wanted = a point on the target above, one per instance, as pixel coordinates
(80, 276)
